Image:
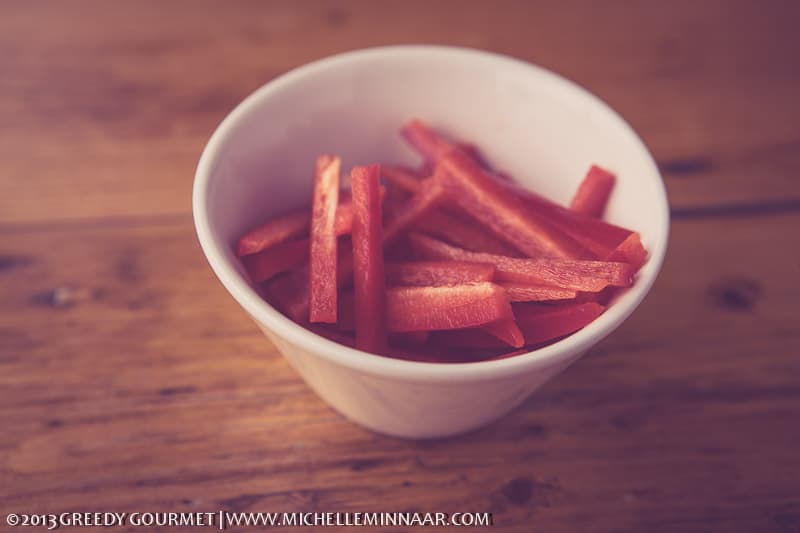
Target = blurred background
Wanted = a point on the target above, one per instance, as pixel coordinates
(130, 381)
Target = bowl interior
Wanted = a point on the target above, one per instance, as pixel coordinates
(530, 123)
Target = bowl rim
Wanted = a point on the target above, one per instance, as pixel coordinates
(264, 313)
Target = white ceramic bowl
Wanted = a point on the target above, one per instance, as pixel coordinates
(542, 129)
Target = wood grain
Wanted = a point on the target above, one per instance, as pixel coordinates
(112, 104)
(130, 380)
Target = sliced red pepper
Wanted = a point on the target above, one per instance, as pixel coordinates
(424, 140)
(434, 273)
(530, 233)
(541, 323)
(507, 331)
(290, 225)
(457, 228)
(289, 294)
(505, 213)
(344, 263)
(606, 241)
(602, 297)
(463, 231)
(592, 195)
(276, 259)
(600, 239)
(421, 203)
(578, 275)
(344, 215)
(398, 250)
(402, 177)
(368, 269)
(473, 152)
(435, 308)
(451, 307)
(432, 146)
(274, 231)
(521, 292)
(631, 250)
(346, 315)
(322, 271)
(393, 206)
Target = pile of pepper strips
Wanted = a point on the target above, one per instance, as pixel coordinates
(453, 262)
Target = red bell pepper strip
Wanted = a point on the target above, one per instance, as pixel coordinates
(322, 271)
(590, 276)
(540, 323)
(606, 241)
(433, 146)
(450, 307)
(425, 199)
(344, 215)
(425, 141)
(506, 214)
(463, 231)
(602, 239)
(507, 331)
(274, 231)
(592, 195)
(368, 269)
(603, 297)
(435, 308)
(398, 251)
(473, 152)
(346, 314)
(457, 228)
(289, 294)
(435, 273)
(276, 259)
(393, 206)
(290, 225)
(630, 251)
(402, 177)
(520, 292)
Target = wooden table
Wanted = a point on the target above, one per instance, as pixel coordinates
(131, 381)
